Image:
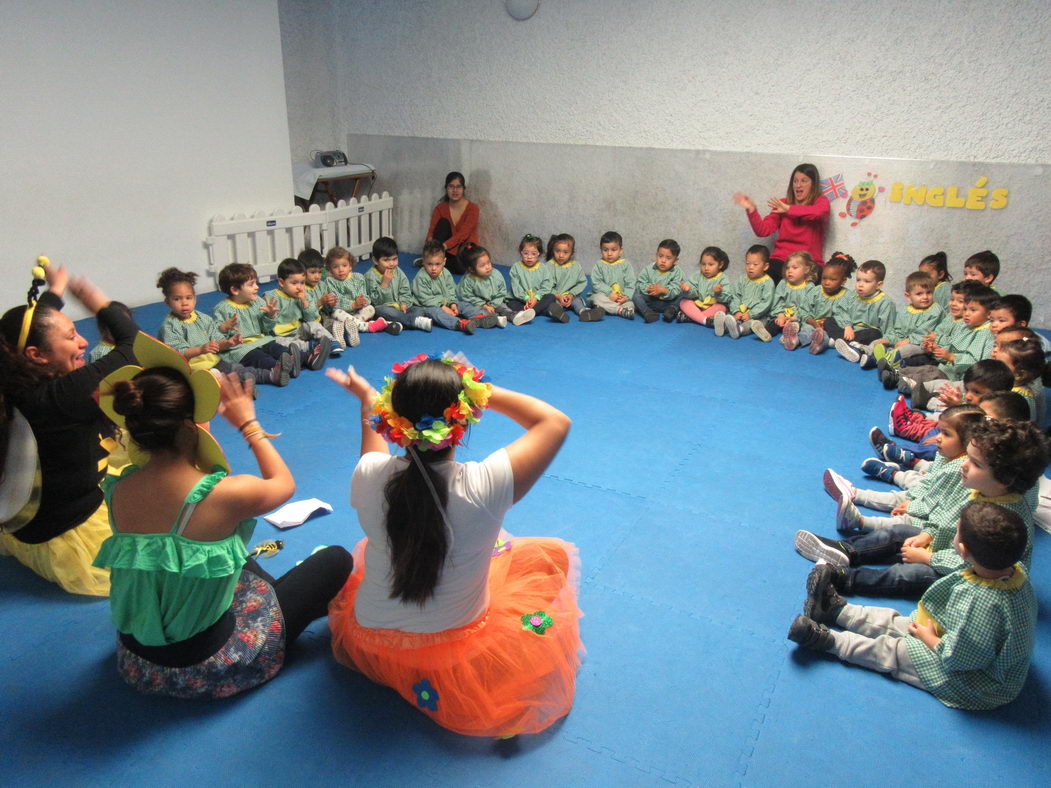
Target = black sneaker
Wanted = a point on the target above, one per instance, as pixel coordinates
(319, 355)
(394, 328)
(297, 361)
(650, 316)
(823, 601)
(281, 371)
(591, 315)
(878, 439)
(487, 321)
(467, 326)
(670, 314)
(810, 634)
(557, 313)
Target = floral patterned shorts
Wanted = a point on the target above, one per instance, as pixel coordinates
(252, 655)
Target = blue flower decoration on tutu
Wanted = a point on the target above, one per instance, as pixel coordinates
(426, 695)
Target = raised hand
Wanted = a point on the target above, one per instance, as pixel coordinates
(744, 201)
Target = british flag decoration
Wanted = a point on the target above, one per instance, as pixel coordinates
(833, 187)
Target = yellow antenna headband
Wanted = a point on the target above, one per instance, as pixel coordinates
(39, 278)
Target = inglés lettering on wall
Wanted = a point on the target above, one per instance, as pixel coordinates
(974, 198)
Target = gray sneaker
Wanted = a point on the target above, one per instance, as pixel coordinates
(501, 321)
(719, 323)
(627, 312)
(681, 317)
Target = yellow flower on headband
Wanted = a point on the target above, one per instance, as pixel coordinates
(151, 354)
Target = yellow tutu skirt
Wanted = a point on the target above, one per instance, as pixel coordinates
(512, 671)
(66, 559)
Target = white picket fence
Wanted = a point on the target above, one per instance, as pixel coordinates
(264, 240)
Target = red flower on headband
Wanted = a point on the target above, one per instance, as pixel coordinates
(397, 369)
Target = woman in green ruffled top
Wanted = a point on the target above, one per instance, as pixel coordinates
(195, 616)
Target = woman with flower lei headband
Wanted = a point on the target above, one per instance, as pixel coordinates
(484, 639)
(45, 377)
(195, 617)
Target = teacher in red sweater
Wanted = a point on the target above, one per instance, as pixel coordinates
(455, 221)
(800, 220)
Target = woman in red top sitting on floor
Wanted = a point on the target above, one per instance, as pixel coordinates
(800, 220)
(454, 221)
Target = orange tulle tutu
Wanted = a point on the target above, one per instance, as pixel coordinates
(512, 671)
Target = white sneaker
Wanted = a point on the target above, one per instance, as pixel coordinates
(759, 329)
(731, 326)
(838, 487)
(811, 547)
(350, 328)
(627, 312)
(523, 317)
(719, 323)
(422, 324)
(847, 351)
(501, 321)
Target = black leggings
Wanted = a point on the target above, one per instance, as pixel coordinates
(304, 591)
(443, 231)
(865, 336)
(541, 307)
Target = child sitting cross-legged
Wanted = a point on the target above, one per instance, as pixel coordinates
(967, 345)
(750, 296)
(389, 290)
(613, 278)
(532, 284)
(870, 316)
(434, 291)
(657, 285)
(911, 325)
(484, 290)
(344, 303)
(1004, 462)
(789, 296)
(919, 500)
(705, 292)
(568, 279)
(830, 300)
(242, 314)
(197, 337)
(970, 639)
(297, 320)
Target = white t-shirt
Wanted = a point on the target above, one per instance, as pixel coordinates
(480, 493)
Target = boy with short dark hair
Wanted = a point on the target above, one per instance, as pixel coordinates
(297, 321)
(750, 298)
(983, 267)
(871, 316)
(657, 286)
(243, 313)
(389, 290)
(970, 639)
(613, 278)
(966, 346)
(434, 291)
(911, 326)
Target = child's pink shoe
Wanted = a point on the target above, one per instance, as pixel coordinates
(376, 325)
(790, 337)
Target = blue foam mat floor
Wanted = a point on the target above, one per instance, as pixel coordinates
(691, 463)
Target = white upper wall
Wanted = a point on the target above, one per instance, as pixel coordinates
(128, 125)
(948, 80)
